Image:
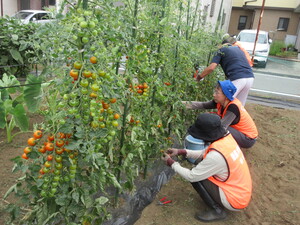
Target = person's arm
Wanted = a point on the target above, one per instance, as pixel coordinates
(232, 116)
(228, 119)
(213, 164)
(207, 71)
(200, 105)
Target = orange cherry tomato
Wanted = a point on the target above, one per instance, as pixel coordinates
(42, 149)
(31, 141)
(50, 138)
(49, 146)
(59, 143)
(24, 156)
(145, 85)
(38, 134)
(27, 150)
(61, 135)
(49, 157)
(113, 100)
(93, 59)
(116, 116)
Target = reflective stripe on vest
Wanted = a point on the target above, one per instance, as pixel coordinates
(238, 186)
(246, 125)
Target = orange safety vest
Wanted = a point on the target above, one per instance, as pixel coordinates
(246, 125)
(245, 52)
(238, 185)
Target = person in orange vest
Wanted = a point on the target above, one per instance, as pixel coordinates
(232, 40)
(233, 115)
(222, 178)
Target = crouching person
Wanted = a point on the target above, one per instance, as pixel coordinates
(222, 177)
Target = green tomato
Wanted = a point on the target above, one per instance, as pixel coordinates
(115, 123)
(83, 24)
(84, 83)
(66, 178)
(84, 91)
(43, 193)
(58, 158)
(92, 24)
(95, 87)
(61, 105)
(65, 96)
(56, 178)
(85, 40)
(58, 166)
(54, 184)
(53, 190)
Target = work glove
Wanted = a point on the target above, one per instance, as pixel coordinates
(187, 104)
(175, 151)
(167, 158)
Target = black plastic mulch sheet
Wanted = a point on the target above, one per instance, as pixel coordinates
(130, 211)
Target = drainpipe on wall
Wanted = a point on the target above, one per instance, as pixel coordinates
(1, 7)
(258, 27)
(250, 1)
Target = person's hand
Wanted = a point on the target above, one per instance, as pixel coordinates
(187, 104)
(172, 151)
(167, 158)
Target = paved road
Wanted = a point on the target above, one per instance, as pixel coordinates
(278, 84)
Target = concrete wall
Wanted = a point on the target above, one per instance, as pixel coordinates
(10, 7)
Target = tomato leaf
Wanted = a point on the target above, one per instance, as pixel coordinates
(75, 196)
(32, 93)
(101, 201)
(20, 117)
(10, 190)
(16, 55)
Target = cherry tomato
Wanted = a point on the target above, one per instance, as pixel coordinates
(50, 138)
(47, 164)
(115, 123)
(49, 157)
(87, 73)
(42, 149)
(77, 65)
(74, 73)
(24, 156)
(113, 100)
(37, 134)
(49, 146)
(116, 116)
(59, 151)
(93, 59)
(58, 158)
(31, 142)
(27, 150)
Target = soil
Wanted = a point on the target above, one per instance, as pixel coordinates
(273, 161)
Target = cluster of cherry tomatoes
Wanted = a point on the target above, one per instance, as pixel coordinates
(140, 89)
(59, 163)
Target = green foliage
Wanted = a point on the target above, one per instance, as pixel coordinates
(13, 99)
(157, 49)
(277, 47)
(15, 46)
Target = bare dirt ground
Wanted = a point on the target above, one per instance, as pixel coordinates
(273, 161)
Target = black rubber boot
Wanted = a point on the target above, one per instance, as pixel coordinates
(215, 213)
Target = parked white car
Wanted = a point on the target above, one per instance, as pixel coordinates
(247, 39)
(35, 16)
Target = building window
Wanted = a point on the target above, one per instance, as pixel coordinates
(283, 24)
(242, 22)
(52, 2)
(212, 8)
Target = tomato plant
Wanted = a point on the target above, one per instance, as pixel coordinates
(107, 118)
